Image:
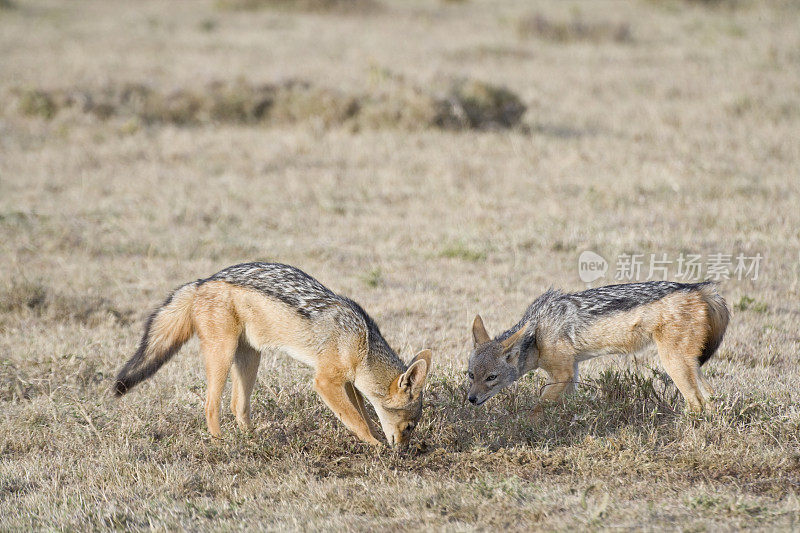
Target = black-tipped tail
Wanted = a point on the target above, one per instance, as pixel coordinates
(718, 316)
(165, 331)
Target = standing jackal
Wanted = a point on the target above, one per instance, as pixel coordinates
(247, 308)
(685, 321)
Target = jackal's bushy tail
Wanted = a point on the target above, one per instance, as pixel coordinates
(718, 316)
(166, 330)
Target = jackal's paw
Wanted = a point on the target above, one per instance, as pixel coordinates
(372, 441)
(245, 425)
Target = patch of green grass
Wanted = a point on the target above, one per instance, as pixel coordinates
(746, 303)
(716, 505)
(373, 278)
(461, 250)
(37, 103)
(208, 25)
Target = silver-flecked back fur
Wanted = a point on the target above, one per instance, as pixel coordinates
(311, 299)
(571, 313)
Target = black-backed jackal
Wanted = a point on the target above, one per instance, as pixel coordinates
(247, 308)
(685, 321)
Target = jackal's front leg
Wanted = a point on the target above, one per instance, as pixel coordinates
(357, 399)
(562, 378)
(332, 391)
(572, 386)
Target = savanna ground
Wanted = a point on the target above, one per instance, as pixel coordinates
(146, 144)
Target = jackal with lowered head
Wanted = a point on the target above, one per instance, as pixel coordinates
(686, 321)
(244, 309)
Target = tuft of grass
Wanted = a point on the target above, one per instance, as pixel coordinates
(208, 25)
(37, 103)
(575, 29)
(717, 505)
(746, 303)
(373, 278)
(461, 250)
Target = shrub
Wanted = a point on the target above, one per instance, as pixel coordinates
(462, 104)
(574, 29)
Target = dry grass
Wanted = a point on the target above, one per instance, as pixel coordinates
(421, 213)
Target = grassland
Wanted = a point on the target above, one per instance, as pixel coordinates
(650, 127)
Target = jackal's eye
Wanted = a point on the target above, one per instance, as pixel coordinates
(491, 377)
(471, 375)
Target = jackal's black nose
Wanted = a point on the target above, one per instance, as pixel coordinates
(473, 400)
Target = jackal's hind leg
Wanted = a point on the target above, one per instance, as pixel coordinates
(333, 393)
(218, 352)
(684, 372)
(243, 377)
(708, 390)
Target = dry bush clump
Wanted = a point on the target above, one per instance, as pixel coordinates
(35, 103)
(35, 298)
(730, 4)
(460, 105)
(475, 105)
(456, 105)
(301, 101)
(537, 25)
(336, 6)
(401, 106)
(236, 102)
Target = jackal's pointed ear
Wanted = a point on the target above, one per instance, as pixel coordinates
(413, 379)
(512, 340)
(479, 333)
